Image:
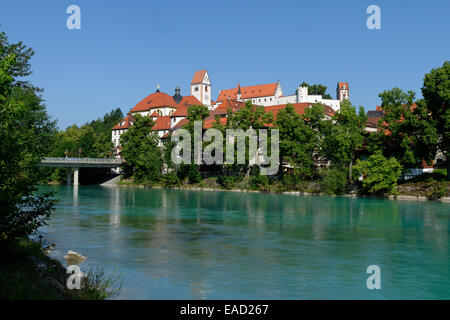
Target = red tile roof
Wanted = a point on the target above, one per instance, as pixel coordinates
(298, 107)
(208, 123)
(127, 122)
(262, 90)
(198, 77)
(230, 104)
(181, 123)
(182, 111)
(341, 85)
(162, 123)
(161, 99)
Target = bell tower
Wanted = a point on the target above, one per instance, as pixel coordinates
(342, 91)
(201, 87)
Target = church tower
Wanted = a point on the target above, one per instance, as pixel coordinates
(201, 87)
(342, 91)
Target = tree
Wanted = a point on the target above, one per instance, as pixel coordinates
(436, 92)
(26, 132)
(406, 129)
(316, 89)
(297, 141)
(140, 149)
(379, 174)
(344, 136)
(248, 117)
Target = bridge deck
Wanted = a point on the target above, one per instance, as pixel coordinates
(81, 162)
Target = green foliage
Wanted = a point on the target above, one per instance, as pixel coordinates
(170, 180)
(297, 141)
(93, 138)
(26, 132)
(379, 174)
(436, 92)
(334, 181)
(343, 137)
(229, 182)
(260, 182)
(437, 191)
(140, 149)
(194, 174)
(98, 285)
(411, 132)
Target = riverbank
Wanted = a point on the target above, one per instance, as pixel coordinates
(28, 273)
(420, 191)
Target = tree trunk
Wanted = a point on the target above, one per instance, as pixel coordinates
(350, 169)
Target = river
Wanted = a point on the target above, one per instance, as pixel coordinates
(179, 244)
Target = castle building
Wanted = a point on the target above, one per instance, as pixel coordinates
(170, 112)
(271, 95)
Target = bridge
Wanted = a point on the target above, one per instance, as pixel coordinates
(77, 163)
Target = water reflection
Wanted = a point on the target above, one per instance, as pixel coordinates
(187, 244)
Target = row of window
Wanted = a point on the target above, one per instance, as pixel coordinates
(259, 100)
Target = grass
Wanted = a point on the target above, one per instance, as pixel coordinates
(27, 273)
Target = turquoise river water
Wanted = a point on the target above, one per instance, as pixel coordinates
(178, 244)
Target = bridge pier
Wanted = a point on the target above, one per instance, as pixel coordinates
(75, 176)
(69, 176)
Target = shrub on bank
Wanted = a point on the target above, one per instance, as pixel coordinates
(260, 182)
(194, 174)
(334, 181)
(379, 174)
(170, 180)
(437, 191)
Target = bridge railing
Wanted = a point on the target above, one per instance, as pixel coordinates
(83, 160)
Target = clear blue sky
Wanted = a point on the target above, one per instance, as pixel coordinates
(125, 48)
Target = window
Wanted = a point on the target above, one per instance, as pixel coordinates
(196, 89)
(206, 89)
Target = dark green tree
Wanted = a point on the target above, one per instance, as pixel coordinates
(144, 160)
(379, 174)
(298, 141)
(26, 132)
(345, 135)
(407, 131)
(436, 92)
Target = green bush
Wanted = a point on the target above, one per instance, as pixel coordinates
(260, 183)
(437, 191)
(194, 174)
(379, 174)
(228, 182)
(170, 180)
(334, 181)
